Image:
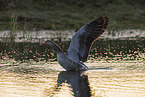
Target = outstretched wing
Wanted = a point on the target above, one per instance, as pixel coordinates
(83, 39)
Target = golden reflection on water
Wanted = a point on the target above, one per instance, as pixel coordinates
(45, 82)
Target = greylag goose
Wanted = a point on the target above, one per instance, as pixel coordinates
(80, 45)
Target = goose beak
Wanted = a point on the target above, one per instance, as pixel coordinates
(42, 43)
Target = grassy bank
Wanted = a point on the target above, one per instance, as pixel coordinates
(63, 14)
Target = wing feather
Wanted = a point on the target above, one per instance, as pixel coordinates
(83, 39)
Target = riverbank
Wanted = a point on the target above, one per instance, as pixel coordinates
(66, 35)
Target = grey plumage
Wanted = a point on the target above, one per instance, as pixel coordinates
(80, 45)
(84, 38)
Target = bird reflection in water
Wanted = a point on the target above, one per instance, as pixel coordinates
(78, 81)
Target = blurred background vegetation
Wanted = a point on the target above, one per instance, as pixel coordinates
(71, 14)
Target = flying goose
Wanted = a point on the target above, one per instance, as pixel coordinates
(80, 45)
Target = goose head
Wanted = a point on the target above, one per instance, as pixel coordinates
(48, 43)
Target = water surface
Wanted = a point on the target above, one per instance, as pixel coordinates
(116, 69)
(104, 48)
(29, 81)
